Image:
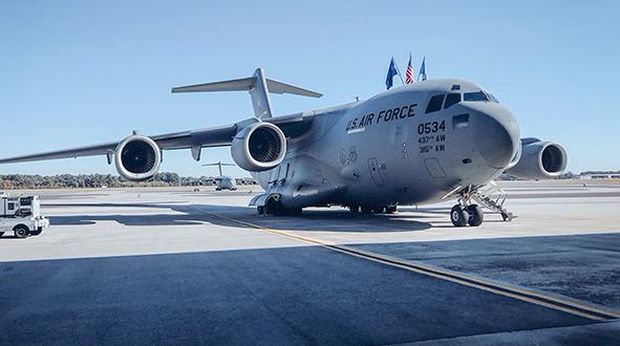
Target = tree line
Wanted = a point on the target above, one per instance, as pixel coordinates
(20, 181)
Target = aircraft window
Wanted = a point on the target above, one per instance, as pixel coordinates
(493, 99)
(452, 99)
(434, 104)
(460, 121)
(477, 96)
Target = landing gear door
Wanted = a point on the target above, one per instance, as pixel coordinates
(375, 172)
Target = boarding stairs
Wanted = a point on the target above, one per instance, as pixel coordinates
(493, 197)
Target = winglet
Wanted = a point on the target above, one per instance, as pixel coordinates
(258, 86)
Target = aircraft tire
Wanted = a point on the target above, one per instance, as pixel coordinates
(476, 215)
(459, 216)
(21, 231)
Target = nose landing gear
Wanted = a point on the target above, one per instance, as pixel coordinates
(466, 215)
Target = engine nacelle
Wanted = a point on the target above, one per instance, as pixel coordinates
(137, 158)
(259, 147)
(539, 160)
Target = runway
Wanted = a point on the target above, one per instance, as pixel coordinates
(177, 266)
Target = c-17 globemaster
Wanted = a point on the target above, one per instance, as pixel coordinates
(413, 144)
(223, 182)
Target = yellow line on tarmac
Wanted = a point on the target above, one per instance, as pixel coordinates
(562, 304)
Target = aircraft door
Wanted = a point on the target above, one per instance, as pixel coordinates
(434, 168)
(375, 172)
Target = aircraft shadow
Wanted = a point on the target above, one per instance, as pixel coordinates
(311, 220)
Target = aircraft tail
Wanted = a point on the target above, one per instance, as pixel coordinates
(219, 164)
(258, 87)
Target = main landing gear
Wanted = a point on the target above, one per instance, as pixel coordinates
(274, 207)
(366, 209)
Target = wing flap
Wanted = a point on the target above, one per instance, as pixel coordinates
(93, 150)
(210, 137)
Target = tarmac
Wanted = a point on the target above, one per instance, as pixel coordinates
(171, 265)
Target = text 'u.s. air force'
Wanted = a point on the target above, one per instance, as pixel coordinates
(382, 117)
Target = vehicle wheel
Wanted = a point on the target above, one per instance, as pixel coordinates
(459, 216)
(37, 231)
(21, 231)
(476, 215)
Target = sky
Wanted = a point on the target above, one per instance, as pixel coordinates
(74, 72)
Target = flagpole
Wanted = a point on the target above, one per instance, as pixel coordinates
(400, 75)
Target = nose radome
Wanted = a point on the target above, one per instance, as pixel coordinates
(496, 136)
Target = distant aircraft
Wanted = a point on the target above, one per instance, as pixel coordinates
(222, 182)
(417, 143)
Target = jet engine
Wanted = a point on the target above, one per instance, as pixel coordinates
(539, 160)
(137, 158)
(259, 147)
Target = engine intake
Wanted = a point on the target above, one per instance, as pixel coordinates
(539, 160)
(259, 147)
(137, 158)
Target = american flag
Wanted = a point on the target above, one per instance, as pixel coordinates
(409, 74)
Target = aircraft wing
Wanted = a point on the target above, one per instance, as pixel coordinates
(292, 126)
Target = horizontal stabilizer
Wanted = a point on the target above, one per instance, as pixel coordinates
(259, 88)
(246, 84)
(242, 84)
(218, 164)
(282, 88)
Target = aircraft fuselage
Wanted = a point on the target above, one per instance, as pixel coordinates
(390, 150)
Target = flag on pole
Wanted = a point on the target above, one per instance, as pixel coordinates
(409, 78)
(422, 74)
(392, 71)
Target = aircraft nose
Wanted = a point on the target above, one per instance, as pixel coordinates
(496, 136)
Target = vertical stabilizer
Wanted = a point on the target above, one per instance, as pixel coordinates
(259, 93)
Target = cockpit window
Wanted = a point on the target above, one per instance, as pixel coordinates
(478, 96)
(434, 104)
(452, 99)
(493, 99)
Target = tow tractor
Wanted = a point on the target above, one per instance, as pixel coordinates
(21, 215)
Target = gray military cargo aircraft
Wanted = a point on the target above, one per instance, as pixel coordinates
(413, 144)
(223, 182)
